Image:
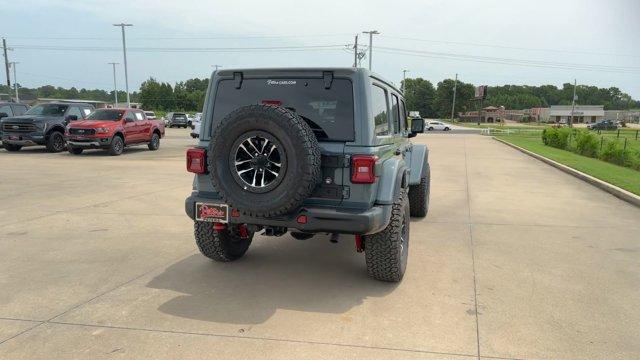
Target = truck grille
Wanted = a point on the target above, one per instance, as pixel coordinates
(75, 131)
(18, 127)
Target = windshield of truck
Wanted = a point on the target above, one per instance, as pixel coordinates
(48, 110)
(329, 112)
(106, 114)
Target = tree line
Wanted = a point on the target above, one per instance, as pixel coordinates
(420, 94)
(435, 101)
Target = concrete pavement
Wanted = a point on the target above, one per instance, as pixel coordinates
(515, 260)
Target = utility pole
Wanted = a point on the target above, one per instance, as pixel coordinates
(355, 52)
(6, 62)
(15, 80)
(216, 67)
(371, 33)
(124, 51)
(115, 86)
(404, 80)
(573, 103)
(453, 105)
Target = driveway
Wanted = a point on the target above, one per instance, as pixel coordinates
(515, 260)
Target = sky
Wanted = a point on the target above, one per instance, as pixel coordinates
(490, 42)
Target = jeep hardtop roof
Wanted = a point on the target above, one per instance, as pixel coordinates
(304, 71)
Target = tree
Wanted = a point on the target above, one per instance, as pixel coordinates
(444, 98)
(419, 94)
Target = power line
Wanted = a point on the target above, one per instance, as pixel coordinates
(181, 49)
(509, 61)
(507, 47)
(179, 37)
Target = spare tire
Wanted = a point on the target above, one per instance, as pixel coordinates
(264, 160)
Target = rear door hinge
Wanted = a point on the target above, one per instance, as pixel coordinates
(346, 192)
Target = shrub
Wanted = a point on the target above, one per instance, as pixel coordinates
(587, 143)
(613, 152)
(556, 137)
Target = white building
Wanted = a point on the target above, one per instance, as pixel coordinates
(581, 113)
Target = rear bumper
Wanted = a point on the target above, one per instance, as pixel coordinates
(319, 218)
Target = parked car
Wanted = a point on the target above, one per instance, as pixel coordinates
(150, 115)
(43, 124)
(195, 126)
(113, 130)
(603, 125)
(285, 150)
(8, 109)
(438, 125)
(178, 120)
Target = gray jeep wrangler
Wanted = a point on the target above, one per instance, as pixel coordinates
(307, 151)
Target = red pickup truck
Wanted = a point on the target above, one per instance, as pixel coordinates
(112, 130)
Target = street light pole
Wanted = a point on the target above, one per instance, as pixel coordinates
(453, 106)
(404, 80)
(124, 51)
(573, 103)
(115, 86)
(15, 80)
(216, 67)
(371, 33)
(6, 61)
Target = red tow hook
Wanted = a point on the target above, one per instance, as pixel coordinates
(218, 227)
(244, 232)
(359, 247)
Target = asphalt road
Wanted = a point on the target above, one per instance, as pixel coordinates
(515, 260)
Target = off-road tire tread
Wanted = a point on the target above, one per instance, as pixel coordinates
(419, 197)
(112, 150)
(381, 255)
(215, 244)
(310, 178)
(49, 142)
(150, 145)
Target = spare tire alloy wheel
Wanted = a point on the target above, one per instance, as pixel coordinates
(264, 160)
(258, 162)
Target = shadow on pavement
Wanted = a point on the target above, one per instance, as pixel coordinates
(276, 273)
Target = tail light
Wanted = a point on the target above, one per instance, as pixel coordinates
(363, 169)
(197, 161)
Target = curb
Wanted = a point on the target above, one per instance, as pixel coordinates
(620, 193)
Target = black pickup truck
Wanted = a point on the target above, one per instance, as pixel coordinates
(43, 124)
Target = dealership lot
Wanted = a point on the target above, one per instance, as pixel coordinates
(515, 260)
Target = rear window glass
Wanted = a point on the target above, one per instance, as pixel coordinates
(329, 112)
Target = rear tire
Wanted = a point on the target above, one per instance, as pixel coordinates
(221, 246)
(419, 196)
(55, 142)
(12, 147)
(386, 252)
(154, 143)
(75, 150)
(117, 146)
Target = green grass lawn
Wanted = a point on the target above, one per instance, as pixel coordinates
(625, 178)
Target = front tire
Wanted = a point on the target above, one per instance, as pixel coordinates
(55, 142)
(154, 143)
(75, 150)
(12, 147)
(386, 252)
(419, 196)
(117, 146)
(222, 246)
(430, 128)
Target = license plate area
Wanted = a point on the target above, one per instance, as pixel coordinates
(212, 212)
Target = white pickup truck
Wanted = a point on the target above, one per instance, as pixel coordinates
(195, 126)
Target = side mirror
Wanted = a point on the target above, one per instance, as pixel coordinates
(417, 126)
(71, 117)
(3, 115)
